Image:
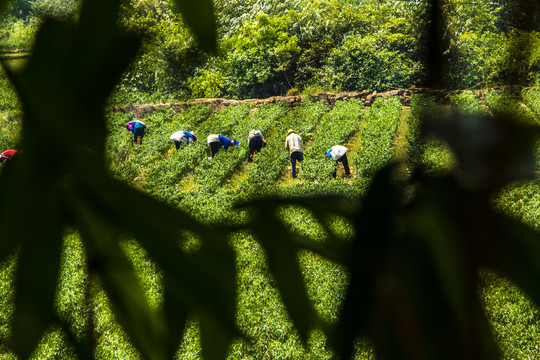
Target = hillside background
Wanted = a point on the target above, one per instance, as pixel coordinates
(271, 48)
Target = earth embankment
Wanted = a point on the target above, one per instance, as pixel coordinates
(367, 97)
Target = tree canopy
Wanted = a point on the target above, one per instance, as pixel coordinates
(269, 47)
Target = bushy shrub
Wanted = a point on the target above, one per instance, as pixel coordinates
(361, 62)
(17, 33)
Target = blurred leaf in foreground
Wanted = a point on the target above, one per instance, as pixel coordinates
(60, 181)
(420, 243)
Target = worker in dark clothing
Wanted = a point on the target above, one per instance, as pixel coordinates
(339, 154)
(8, 154)
(137, 127)
(217, 141)
(255, 143)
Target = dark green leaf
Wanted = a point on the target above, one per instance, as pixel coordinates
(437, 267)
(215, 338)
(12, 192)
(367, 256)
(40, 235)
(322, 207)
(107, 259)
(517, 257)
(283, 262)
(206, 280)
(492, 151)
(217, 257)
(177, 313)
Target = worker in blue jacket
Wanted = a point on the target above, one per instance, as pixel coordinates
(217, 141)
(137, 127)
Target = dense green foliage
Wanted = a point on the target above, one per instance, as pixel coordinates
(269, 47)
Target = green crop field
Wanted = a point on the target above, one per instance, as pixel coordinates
(209, 189)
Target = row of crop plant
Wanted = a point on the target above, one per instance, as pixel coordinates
(335, 129)
(378, 135)
(431, 154)
(214, 172)
(128, 161)
(207, 198)
(158, 168)
(272, 161)
(162, 178)
(531, 97)
(427, 153)
(509, 105)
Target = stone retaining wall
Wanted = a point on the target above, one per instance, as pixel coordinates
(367, 97)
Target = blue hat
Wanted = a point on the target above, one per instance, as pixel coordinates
(329, 153)
(235, 142)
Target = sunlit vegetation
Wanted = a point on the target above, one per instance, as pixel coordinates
(269, 48)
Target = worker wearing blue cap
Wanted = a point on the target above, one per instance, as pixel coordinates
(217, 141)
(339, 154)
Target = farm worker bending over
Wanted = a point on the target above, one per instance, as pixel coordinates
(255, 143)
(183, 136)
(216, 141)
(6, 155)
(295, 147)
(137, 128)
(339, 154)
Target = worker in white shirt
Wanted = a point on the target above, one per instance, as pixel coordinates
(183, 136)
(295, 146)
(339, 154)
